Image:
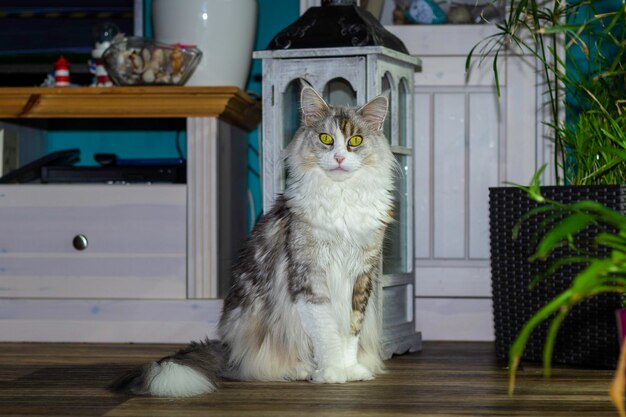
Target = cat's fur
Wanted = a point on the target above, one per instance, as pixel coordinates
(299, 308)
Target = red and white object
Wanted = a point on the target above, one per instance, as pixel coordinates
(62, 73)
(102, 76)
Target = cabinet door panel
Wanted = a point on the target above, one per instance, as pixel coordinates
(483, 155)
(449, 175)
(135, 241)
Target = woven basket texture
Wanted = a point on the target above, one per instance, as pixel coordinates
(588, 336)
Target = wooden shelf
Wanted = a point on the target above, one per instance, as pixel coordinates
(227, 103)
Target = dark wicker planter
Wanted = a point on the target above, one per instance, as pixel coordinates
(588, 336)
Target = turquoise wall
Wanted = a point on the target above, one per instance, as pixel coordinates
(274, 15)
(581, 65)
(124, 143)
(579, 61)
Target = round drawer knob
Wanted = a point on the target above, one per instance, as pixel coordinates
(80, 242)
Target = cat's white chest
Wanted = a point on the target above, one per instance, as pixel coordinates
(348, 216)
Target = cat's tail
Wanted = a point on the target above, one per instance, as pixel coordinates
(194, 370)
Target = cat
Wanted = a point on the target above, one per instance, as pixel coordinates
(301, 307)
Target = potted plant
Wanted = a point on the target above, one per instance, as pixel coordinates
(603, 271)
(580, 51)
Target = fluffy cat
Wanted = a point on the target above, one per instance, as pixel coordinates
(300, 306)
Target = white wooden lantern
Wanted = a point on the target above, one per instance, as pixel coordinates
(349, 75)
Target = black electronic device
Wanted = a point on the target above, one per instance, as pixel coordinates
(111, 159)
(32, 171)
(115, 174)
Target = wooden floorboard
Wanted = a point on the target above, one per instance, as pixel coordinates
(446, 379)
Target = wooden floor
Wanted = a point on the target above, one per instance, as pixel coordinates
(446, 379)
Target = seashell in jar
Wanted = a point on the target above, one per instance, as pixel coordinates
(158, 56)
(136, 62)
(148, 76)
(132, 79)
(162, 78)
(146, 55)
(176, 61)
(121, 60)
(157, 60)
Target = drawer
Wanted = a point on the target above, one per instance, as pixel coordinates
(135, 234)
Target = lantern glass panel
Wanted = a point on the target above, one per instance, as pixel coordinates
(339, 92)
(395, 252)
(385, 89)
(403, 117)
(291, 111)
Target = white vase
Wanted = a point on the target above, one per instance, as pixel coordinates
(224, 30)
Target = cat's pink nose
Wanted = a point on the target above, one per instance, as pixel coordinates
(339, 158)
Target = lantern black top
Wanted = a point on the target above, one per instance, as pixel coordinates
(337, 23)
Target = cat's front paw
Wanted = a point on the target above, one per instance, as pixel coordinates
(358, 372)
(330, 375)
(303, 372)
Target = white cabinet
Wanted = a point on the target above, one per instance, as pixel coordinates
(157, 256)
(467, 139)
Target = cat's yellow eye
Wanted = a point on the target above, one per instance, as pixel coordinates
(355, 141)
(326, 139)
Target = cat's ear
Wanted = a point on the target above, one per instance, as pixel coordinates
(313, 106)
(374, 112)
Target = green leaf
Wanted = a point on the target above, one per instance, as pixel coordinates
(468, 60)
(518, 346)
(586, 282)
(534, 188)
(495, 73)
(601, 212)
(561, 28)
(548, 347)
(556, 265)
(531, 213)
(561, 232)
(611, 241)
